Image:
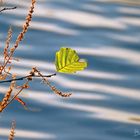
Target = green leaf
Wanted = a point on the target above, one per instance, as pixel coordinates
(67, 61)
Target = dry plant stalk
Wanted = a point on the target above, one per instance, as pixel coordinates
(24, 86)
(53, 88)
(7, 96)
(12, 131)
(25, 26)
(8, 56)
(21, 35)
(7, 43)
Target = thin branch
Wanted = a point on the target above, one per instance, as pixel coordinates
(25, 77)
(53, 88)
(8, 8)
(17, 94)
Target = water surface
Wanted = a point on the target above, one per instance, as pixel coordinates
(106, 96)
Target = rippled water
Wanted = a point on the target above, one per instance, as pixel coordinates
(106, 96)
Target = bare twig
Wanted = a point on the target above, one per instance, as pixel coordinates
(7, 8)
(25, 77)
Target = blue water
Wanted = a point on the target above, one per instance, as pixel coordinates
(106, 96)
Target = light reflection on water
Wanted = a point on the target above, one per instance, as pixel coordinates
(105, 101)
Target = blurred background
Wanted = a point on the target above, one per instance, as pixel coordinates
(105, 104)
